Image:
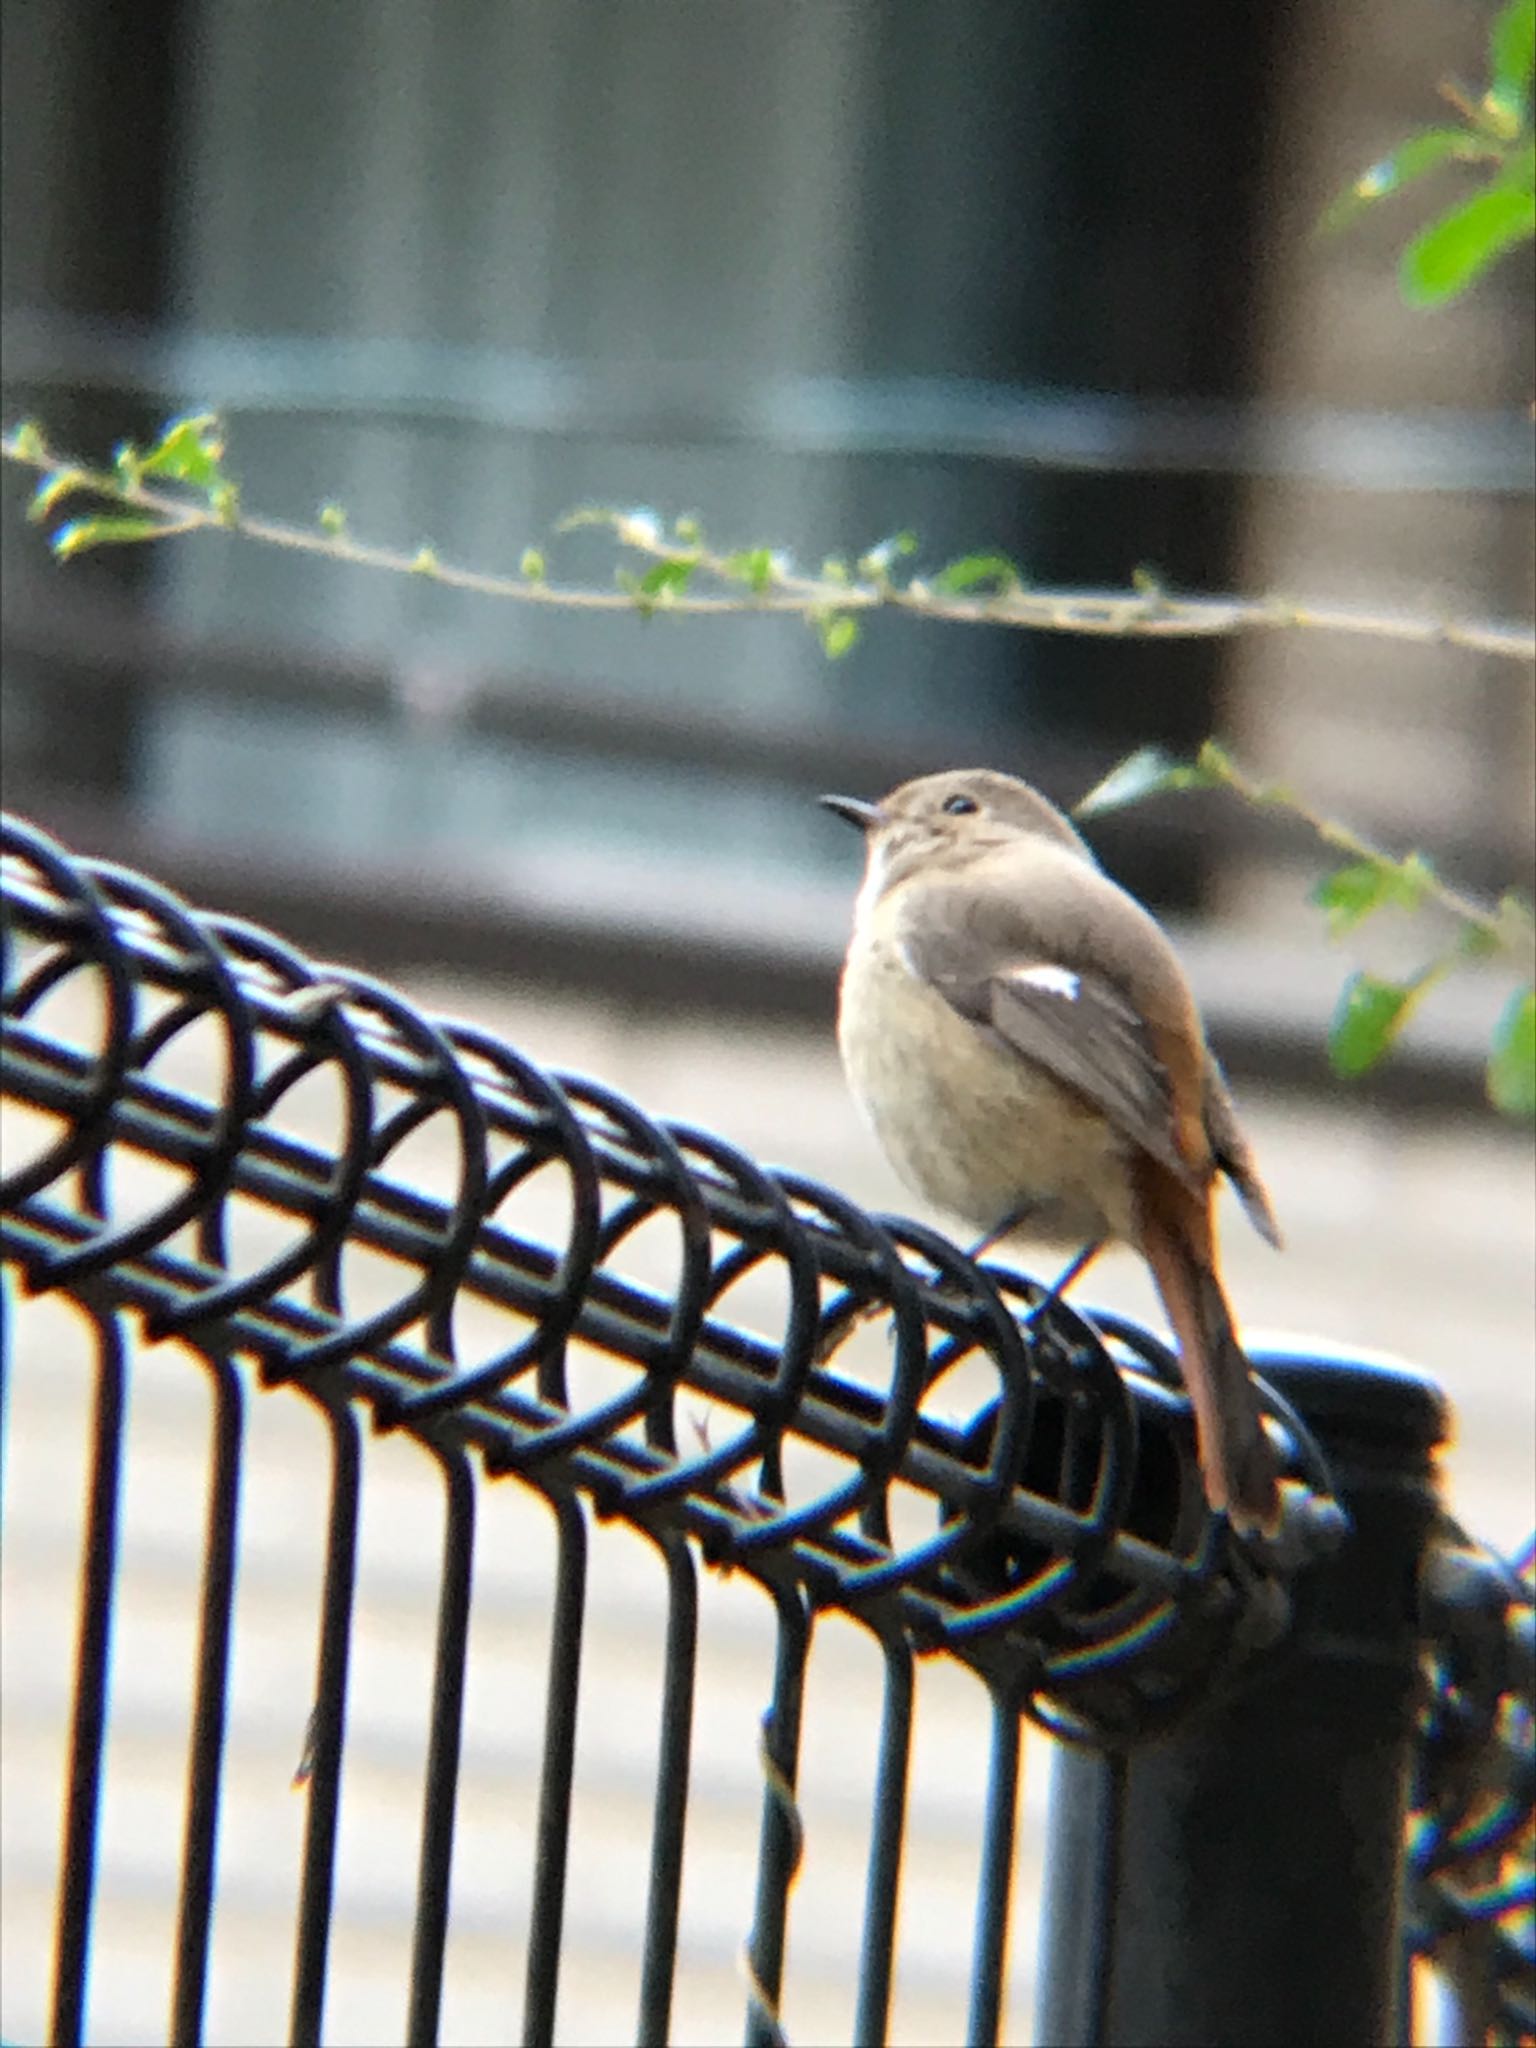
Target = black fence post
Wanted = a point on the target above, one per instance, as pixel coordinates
(1239, 1882)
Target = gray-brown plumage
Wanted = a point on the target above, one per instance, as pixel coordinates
(1021, 1035)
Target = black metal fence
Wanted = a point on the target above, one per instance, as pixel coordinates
(1290, 1767)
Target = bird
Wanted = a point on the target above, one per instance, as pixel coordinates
(1020, 1033)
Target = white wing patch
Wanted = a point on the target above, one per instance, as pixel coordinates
(1054, 981)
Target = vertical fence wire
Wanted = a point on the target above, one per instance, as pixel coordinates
(659, 1950)
(779, 1841)
(88, 1720)
(209, 1711)
(441, 1786)
(552, 1839)
(322, 1779)
(994, 1893)
(877, 1952)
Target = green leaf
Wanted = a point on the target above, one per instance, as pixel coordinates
(672, 574)
(1512, 1058)
(1369, 1015)
(532, 565)
(28, 442)
(839, 632)
(333, 520)
(104, 530)
(1350, 894)
(1456, 249)
(1500, 117)
(972, 570)
(1512, 54)
(756, 567)
(664, 581)
(1412, 159)
(189, 451)
(1150, 771)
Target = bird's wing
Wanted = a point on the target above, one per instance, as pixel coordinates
(1074, 1021)
(1233, 1156)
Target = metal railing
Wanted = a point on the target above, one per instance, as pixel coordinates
(1206, 1879)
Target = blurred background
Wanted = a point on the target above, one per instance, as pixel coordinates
(1039, 280)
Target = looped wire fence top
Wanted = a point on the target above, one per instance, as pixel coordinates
(1050, 1532)
(1472, 1838)
(842, 1406)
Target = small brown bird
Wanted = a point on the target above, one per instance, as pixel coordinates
(1021, 1035)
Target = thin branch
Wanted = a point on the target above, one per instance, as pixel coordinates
(1149, 611)
(1375, 879)
(758, 582)
(1507, 925)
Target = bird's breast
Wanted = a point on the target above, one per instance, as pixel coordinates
(969, 1124)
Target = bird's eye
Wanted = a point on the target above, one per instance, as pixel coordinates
(959, 806)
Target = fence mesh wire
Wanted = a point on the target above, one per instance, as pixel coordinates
(1051, 1534)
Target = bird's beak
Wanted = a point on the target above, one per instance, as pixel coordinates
(854, 809)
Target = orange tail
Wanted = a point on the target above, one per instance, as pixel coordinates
(1237, 1460)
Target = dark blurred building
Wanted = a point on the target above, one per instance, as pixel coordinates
(1033, 279)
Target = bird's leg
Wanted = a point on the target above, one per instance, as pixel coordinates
(1076, 1268)
(1010, 1223)
(1073, 1270)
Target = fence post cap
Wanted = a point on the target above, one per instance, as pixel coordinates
(1359, 1391)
